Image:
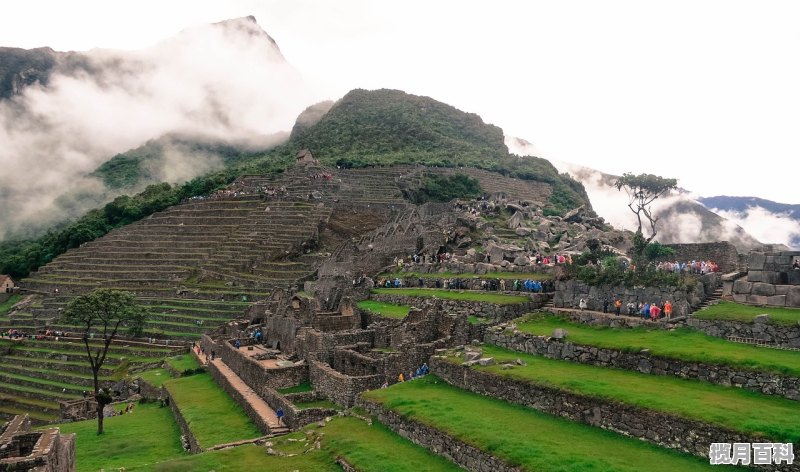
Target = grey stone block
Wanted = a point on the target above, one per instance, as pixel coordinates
(740, 297)
(757, 299)
(755, 275)
(777, 300)
(793, 297)
(763, 289)
(782, 289)
(756, 261)
(742, 286)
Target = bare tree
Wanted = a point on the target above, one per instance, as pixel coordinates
(643, 190)
(104, 311)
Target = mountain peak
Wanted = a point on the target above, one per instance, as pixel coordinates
(248, 25)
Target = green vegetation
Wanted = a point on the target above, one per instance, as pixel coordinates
(155, 377)
(183, 363)
(725, 310)
(6, 306)
(439, 188)
(388, 310)
(477, 320)
(317, 404)
(368, 448)
(777, 418)
(524, 437)
(488, 275)
(484, 297)
(213, 417)
(301, 388)
(134, 441)
(681, 343)
(612, 271)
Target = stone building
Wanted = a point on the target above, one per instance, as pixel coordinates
(44, 450)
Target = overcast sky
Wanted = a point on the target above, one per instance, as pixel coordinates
(704, 91)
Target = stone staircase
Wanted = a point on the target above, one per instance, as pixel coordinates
(712, 299)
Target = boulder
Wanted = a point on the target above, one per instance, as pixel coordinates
(522, 261)
(760, 288)
(559, 333)
(486, 361)
(762, 319)
(576, 215)
(522, 231)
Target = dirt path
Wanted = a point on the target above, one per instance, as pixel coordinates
(258, 404)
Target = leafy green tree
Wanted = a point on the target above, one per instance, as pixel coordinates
(643, 190)
(104, 311)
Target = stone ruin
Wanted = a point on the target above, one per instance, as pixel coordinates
(42, 451)
(770, 280)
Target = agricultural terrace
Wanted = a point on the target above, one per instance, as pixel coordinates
(731, 311)
(682, 343)
(213, 417)
(388, 310)
(465, 296)
(777, 418)
(524, 437)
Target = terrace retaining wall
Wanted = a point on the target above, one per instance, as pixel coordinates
(570, 292)
(186, 432)
(438, 442)
(295, 418)
(760, 329)
(763, 382)
(691, 436)
(239, 398)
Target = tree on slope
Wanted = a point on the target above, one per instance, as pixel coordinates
(643, 190)
(105, 312)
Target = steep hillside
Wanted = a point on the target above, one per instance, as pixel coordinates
(392, 127)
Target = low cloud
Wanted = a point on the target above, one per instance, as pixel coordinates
(775, 228)
(226, 82)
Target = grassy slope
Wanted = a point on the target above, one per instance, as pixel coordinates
(737, 409)
(484, 297)
(524, 437)
(213, 417)
(725, 310)
(488, 275)
(388, 310)
(681, 343)
(183, 362)
(5, 307)
(135, 440)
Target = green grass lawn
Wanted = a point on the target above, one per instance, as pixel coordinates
(183, 362)
(133, 441)
(368, 448)
(738, 409)
(726, 310)
(5, 307)
(388, 310)
(303, 387)
(485, 297)
(682, 343)
(524, 437)
(155, 377)
(488, 275)
(213, 417)
(317, 404)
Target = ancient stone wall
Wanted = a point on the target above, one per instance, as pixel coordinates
(760, 329)
(438, 442)
(659, 428)
(569, 293)
(42, 451)
(256, 375)
(340, 388)
(480, 309)
(239, 398)
(723, 253)
(295, 418)
(763, 382)
(771, 280)
(186, 432)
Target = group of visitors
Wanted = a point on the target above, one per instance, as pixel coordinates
(414, 374)
(651, 311)
(689, 267)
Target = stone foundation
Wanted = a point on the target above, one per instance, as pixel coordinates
(43, 451)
